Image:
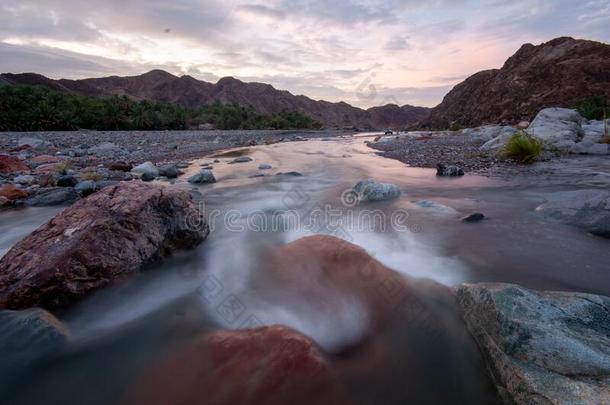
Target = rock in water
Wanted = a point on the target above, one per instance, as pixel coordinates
(448, 170)
(147, 169)
(264, 166)
(269, 365)
(241, 159)
(169, 171)
(372, 190)
(107, 236)
(51, 196)
(205, 176)
(541, 347)
(586, 209)
(476, 217)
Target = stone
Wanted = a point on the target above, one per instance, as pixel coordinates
(487, 132)
(45, 159)
(557, 127)
(108, 236)
(25, 179)
(30, 141)
(292, 174)
(241, 159)
(586, 209)
(46, 180)
(147, 169)
(265, 166)
(105, 183)
(523, 125)
(120, 167)
(67, 181)
(448, 170)
(85, 188)
(50, 196)
(183, 165)
(476, 217)
(170, 171)
(499, 141)
(372, 190)
(541, 347)
(11, 192)
(104, 148)
(203, 177)
(268, 365)
(10, 164)
(589, 147)
(436, 207)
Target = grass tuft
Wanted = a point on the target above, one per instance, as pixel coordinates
(523, 148)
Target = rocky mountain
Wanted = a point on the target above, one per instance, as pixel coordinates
(558, 73)
(159, 85)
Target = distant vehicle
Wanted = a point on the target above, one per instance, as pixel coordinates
(389, 132)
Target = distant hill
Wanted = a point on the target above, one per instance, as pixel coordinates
(159, 85)
(559, 73)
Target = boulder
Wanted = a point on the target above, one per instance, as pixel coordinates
(12, 192)
(499, 141)
(85, 188)
(146, 169)
(586, 209)
(100, 239)
(541, 347)
(10, 164)
(169, 171)
(120, 167)
(203, 177)
(487, 132)
(557, 127)
(241, 159)
(444, 170)
(50, 196)
(372, 190)
(268, 365)
(67, 181)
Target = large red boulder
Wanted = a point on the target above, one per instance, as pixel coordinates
(10, 164)
(269, 365)
(107, 236)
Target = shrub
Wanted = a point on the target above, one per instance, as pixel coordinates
(593, 108)
(455, 126)
(523, 148)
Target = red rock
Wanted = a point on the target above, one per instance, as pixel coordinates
(21, 148)
(10, 164)
(45, 159)
(269, 365)
(11, 192)
(96, 241)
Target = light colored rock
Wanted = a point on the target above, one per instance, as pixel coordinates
(435, 207)
(541, 347)
(146, 169)
(523, 125)
(372, 190)
(487, 132)
(557, 127)
(588, 147)
(104, 148)
(30, 140)
(499, 141)
(26, 179)
(586, 209)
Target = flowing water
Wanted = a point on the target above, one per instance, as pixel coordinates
(121, 330)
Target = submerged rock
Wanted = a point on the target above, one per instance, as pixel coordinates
(372, 190)
(541, 347)
(241, 159)
(268, 365)
(51, 196)
(205, 176)
(448, 170)
(586, 209)
(109, 235)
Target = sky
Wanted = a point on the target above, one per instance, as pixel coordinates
(364, 52)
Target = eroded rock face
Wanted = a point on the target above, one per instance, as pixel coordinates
(109, 235)
(269, 365)
(541, 347)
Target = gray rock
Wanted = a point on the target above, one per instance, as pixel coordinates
(85, 188)
(105, 183)
(67, 181)
(487, 132)
(52, 196)
(104, 148)
(476, 217)
(24, 179)
(588, 147)
(586, 209)
(203, 177)
(182, 165)
(541, 347)
(257, 175)
(557, 127)
(372, 190)
(147, 169)
(169, 171)
(499, 141)
(241, 159)
(265, 166)
(448, 170)
(293, 174)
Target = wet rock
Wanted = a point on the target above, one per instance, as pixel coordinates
(448, 170)
(169, 171)
(586, 209)
(257, 175)
(67, 181)
(182, 165)
(120, 167)
(265, 166)
(25, 179)
(293, 174)
(541, 347)
(85, 188)
(11, 192)
(558, 127)
(476, 217)
(100, 239)
(436, 207)
(10, 164)
(50, 196)
(241, 159)
(147, 170)
(203, 177)
(269, 365)
(372, 190)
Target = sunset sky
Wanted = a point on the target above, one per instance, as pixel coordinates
(410, 51)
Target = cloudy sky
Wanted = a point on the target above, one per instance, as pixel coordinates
(365, 52)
